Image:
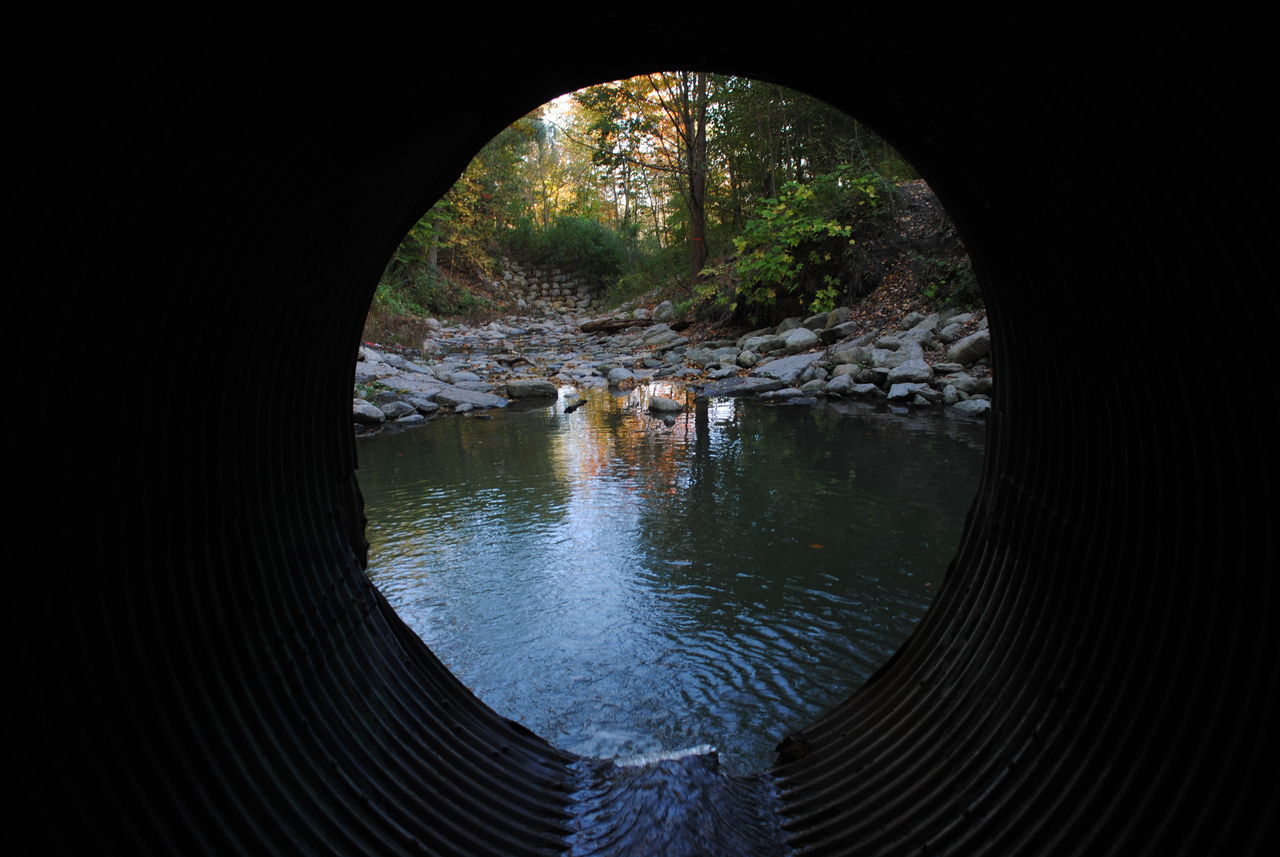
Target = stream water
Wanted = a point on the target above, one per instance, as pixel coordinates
(622, 586)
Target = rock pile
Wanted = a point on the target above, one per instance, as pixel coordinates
(925, 361)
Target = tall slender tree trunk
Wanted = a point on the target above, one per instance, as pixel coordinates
(694, 98)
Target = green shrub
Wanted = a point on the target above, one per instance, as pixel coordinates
(794, 250)
(951, 282)
(578, 244)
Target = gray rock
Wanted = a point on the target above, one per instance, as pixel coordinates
(396, 410)
(367, 413)
(800, 339)
(747, 359)
(722, 372)
(741, 386)
(742, 340)
(837, 332)
(661, 404)
(972, 407)
(423, 405)
(838, 316)
(970, 349)
(531, 388)
(457, 397)
(918, 335)
(784, 393)
(787, 324)
(962, 381)
(813, 386)
(462, 377)
(374, 371)
(787, 369)
(911, 371)
(405, 365)
(664, 339)
(906, 392)
(664, 311)
(950, 333)
(866, 391)
(816, 322)
(409, 419)
(621, 375)
(929, 322)
(699, 356)
(764, 344)
(910, 320)
(840, 385)
(848, 354)
(889, 358)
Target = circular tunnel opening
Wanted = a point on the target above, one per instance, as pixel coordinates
(209, 671)
(626, 581)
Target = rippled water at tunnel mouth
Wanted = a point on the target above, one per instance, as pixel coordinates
(622, 586)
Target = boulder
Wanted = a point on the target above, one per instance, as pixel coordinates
(837, 332)
(910, 320)
(971, 348)
(621, 375)
(911, 371)
(972, 407)
(741, 386)
(664, 311)
(787, 369)
(764, 344)
(397, 409)
(906, 392)
(367, 413)
(787, 324)
(838, 316)
(784, 393)
(799, 339)
(457, 397)
(531, 388)
(663, 405)
(840, 385)
(848, 354)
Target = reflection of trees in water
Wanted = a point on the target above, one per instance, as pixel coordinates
(460, 471)
(626, 443)
(779, 497)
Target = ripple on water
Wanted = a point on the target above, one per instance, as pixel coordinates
(620, 586)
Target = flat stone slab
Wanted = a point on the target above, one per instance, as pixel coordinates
(456, 396)
(531, 388)
(747, 386)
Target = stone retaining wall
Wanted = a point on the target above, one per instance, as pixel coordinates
(547, 289)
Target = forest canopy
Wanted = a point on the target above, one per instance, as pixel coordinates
(735, 196)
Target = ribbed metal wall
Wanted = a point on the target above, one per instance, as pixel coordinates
(197, 664)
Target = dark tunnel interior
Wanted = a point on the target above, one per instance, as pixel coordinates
(196, 661)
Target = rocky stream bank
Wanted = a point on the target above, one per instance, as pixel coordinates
(934, 360)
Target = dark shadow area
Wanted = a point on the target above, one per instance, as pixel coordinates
(197, 663)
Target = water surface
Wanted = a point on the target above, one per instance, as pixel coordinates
(621, 586)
